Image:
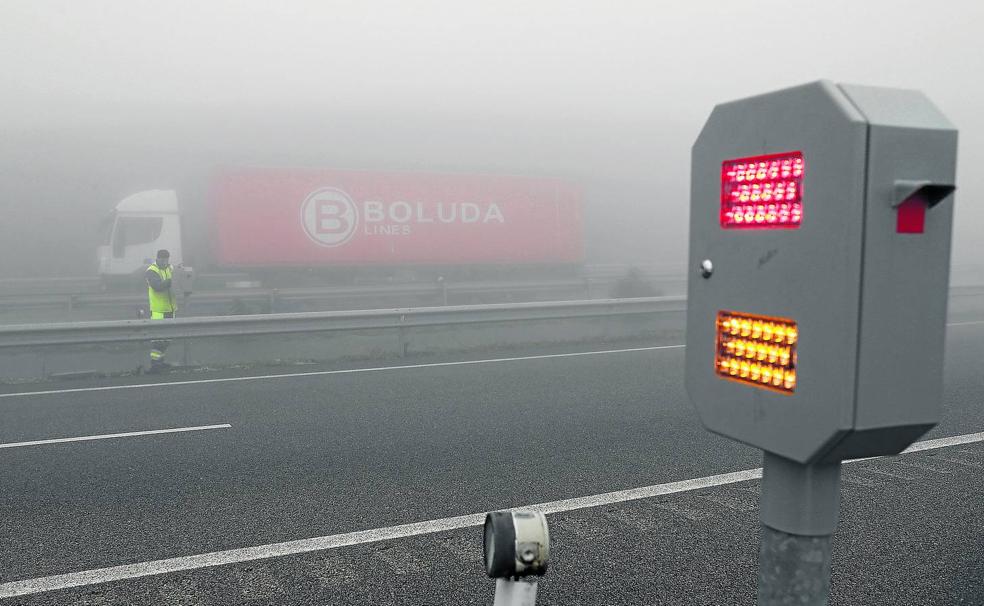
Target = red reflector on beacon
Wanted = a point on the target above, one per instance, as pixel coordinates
(762, 192)
(757, 350)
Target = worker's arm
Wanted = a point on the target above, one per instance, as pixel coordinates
(155, 281)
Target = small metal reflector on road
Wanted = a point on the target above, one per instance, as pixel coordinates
(757, 350)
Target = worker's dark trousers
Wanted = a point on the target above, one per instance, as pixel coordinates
(158, 347)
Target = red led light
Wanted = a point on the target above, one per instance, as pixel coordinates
(763, 192)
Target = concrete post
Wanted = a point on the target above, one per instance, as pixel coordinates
(799, 512)
(793, 569)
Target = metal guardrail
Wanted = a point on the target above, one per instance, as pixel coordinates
(83, 333)
(63, 287)
(77, 333)
(73, 286)
(434, 291)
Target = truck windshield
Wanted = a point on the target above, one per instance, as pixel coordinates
(131, 231)
(106, 229)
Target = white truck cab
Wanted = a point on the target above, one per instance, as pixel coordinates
(139, 226)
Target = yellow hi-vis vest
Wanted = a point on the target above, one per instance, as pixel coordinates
(161, 302)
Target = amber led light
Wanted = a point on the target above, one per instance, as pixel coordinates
(757, 350)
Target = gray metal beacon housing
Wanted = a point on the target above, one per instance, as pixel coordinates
(825, 211)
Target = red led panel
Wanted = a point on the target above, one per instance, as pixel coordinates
(762, 192)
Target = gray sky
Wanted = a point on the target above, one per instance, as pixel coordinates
(572, 59)
(624, 86)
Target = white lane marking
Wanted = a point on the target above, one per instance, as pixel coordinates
(337, 372)
(965, 323)
(107, 436)
(261, 552)
(969, 438)
(232, 556)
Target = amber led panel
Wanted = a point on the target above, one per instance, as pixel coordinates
(757, 350)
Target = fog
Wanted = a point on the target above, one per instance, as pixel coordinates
(103, 98)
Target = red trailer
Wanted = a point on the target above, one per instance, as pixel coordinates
(258, 218)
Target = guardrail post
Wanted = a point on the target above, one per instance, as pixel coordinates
(404, 342)
(444, 290)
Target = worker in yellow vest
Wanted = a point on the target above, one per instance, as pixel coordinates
(163, 303)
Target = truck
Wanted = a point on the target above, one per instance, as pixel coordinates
(349, 224)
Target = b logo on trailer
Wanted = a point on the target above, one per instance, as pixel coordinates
(329, 216)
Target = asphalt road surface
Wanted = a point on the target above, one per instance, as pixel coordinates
(258, 465)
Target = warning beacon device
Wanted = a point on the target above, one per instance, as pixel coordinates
(820, 221)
